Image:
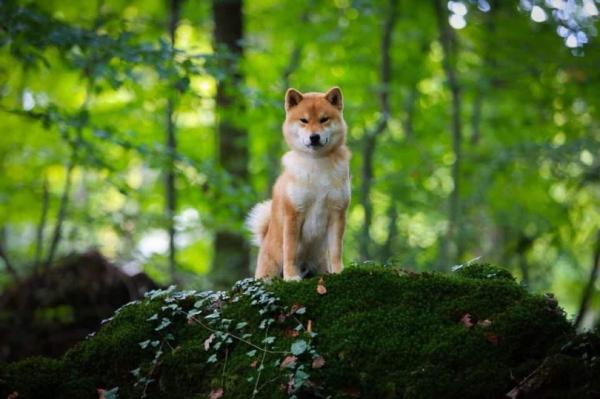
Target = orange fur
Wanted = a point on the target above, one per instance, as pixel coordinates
(303, 225)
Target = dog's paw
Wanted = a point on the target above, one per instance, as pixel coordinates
(292, 278)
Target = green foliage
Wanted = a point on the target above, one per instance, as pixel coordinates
(376, 332)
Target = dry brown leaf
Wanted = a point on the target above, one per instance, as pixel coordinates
(216, 393)
(309, 326)
(321, 289)
(13, 395)
(484, 323)
(466, 320)
(253, 364)
(290, 332)
(318, 362)
(287, 361)
(101, 394)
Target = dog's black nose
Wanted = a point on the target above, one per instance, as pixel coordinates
(315, 139)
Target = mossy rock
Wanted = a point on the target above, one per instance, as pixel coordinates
(369, 332)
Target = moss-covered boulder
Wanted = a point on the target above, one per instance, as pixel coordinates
(367, 332)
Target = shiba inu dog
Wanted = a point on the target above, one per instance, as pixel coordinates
(301, 228)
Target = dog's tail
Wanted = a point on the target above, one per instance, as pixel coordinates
(258, 221)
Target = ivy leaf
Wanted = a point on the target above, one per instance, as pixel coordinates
(144, 344)
(212, 359)
(241, 325)
(268, 340)
(299, 347)
(251, 353)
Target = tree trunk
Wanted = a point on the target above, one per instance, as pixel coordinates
(62, 208)
(171, 143)
(4, 256)
(370, 138)
(588, 291)
(448, 42)
(231, 256)
(39, 242)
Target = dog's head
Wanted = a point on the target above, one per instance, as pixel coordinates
(314, 122)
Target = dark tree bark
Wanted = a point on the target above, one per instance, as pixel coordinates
(231, 256)
(370, 138)
(388, 246)
(4, 256)
(448, 42)
(39, 242)
(171, 143)
(588, 291)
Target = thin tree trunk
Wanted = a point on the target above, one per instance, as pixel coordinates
(39, 242)
(448, 42)
(523, 246)
(231, 255)
(62, 209)
(370, 139)
(4, 256)
(488, 64)
(386, 251)
(171, 143)
(588, 291)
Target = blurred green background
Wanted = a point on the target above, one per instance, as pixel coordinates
(148, 129)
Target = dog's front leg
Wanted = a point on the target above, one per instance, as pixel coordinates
(290, 244)
(335, 236)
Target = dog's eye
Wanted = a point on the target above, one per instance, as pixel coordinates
(323, 119)
(303, 120)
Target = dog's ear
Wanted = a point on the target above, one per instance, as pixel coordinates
(334, 96)
(292, 98)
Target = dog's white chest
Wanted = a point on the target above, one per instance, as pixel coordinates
(319, 186)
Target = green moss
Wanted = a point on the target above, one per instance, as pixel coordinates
(484, 272)
(383, 334)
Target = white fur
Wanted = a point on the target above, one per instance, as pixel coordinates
(258, 220)
(319, 186)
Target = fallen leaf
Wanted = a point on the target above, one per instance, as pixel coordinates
(318, 362)
(321, 289)
(288, 361)
(290, 332)
(208, 341)
(491, 337)
(484, 323)
(253, 364)
(216, 393)
(101, 394)
(13, 395)
(466, 320)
